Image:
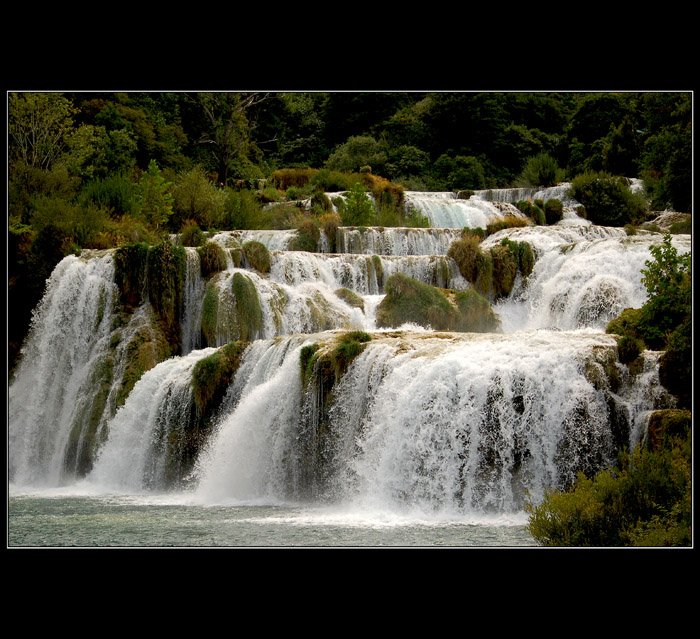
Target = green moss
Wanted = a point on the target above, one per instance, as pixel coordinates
(306, 361)
(410, 301)
(476, 314)
(166, 280)
(248, 310)
(211, 258)
(231, 313)
(350, 298)
(130, 262)
(210, 310)
(212, 375)
(378, 270)
(257, 255)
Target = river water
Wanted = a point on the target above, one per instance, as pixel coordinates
(56, 520)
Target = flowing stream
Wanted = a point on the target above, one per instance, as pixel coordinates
(427, 438)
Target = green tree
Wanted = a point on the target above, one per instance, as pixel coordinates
(667, 279)
(38, 126)
(541, 170)
(356, 209)
(227, 126)
(196, 198)
(153, 197)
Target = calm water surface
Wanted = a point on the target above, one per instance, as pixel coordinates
(119, 521)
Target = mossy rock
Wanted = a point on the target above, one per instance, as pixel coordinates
(130, 262)
(476, 314)
(257, 255)
(212, 376)
(232, 306)
(166, 281)
(350, 298)
(410, 301)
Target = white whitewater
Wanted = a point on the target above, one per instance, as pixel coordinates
(53, 385)
(422, 425)
(445, 210)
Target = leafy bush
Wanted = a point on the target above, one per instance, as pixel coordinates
(356, 208)
(257, 255)
(645, 500)
(541, 170)
(191, 234)
(211, 258)
(607, 199)
(553, 211)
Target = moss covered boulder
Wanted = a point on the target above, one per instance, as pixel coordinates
(410, 301)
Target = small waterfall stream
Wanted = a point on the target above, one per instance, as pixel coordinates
(420, 422)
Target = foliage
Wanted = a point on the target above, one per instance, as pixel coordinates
(330, 223)
(645, 500)
(212, 375)
(356, 152)
(166, 280)
(38, 126)
(541, 170)
(356, 208)
(154, 201)
(211, 258)
(607, 199)
(191, 234)
(196, 198)
(553, 211)
(308, 234)
(257, 255)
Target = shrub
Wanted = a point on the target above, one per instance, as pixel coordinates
(211, 258)
(356, 209)
(505, 268)
(286, 178)
(191, 234)
(645, 500)
(475, 265)
(257, 255)
(307, 235)
(607, 199)
(553, 211)
(541, 170)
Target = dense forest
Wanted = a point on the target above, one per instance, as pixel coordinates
(98, 170)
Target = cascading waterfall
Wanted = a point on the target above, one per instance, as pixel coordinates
(446, 210)
(57, 384)
(424, 423)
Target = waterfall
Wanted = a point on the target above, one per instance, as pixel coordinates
(64, 367)
(584, 276)
(404, 420)
(140, 449)
(445, 210)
